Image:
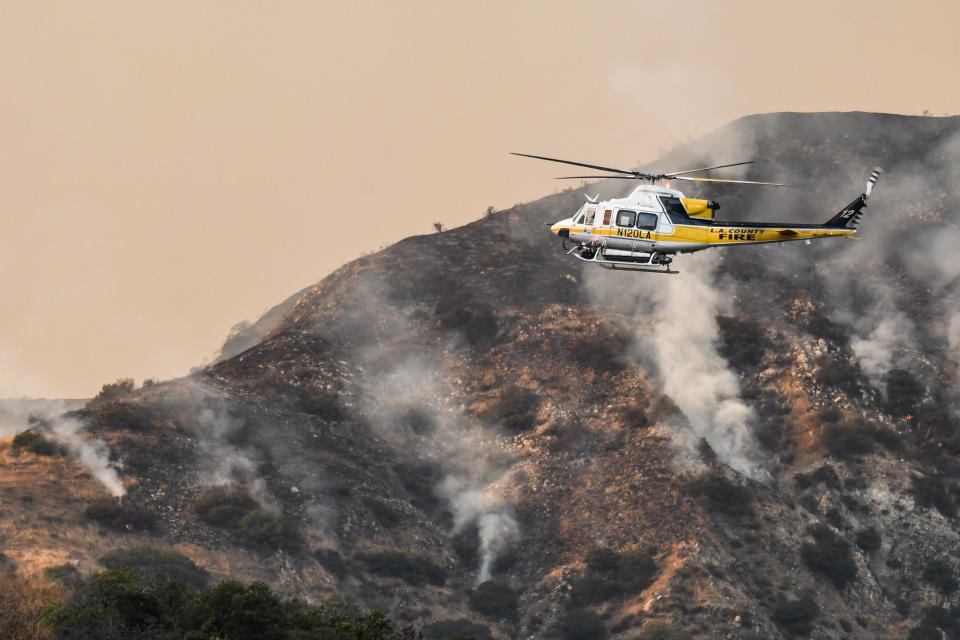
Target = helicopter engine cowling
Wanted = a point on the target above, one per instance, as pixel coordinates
(697, 208)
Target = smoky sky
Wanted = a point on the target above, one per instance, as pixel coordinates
(170, 169)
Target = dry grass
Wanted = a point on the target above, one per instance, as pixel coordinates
(22, 601)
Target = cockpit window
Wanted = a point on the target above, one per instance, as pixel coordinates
(646, 220)
(625, 218)
(673, 205)
(589, 215)
(578, 219)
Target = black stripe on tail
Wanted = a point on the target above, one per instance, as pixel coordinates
(849, 216)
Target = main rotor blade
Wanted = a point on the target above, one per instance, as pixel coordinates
(770, 184)
(640, 177)
(576, 164)
(719, 166)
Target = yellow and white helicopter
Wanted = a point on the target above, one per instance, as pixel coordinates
(643, 230)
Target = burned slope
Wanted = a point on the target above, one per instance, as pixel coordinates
(763, 446)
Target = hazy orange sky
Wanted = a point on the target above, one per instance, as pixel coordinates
(172, 168)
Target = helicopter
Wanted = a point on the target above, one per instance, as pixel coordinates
(642, 231)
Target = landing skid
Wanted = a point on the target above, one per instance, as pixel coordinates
(650, 262)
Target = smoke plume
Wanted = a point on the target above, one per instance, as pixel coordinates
(681, 349)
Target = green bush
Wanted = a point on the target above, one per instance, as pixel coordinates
(152, 560)
(931, 491)
(459, 629)
(796, 616)
(714, 492)
(495, 600)
(129, 603)
(415, 570)
(742, 342)
(231, 507)
(903, 393)
(582, 624)
(830, 555)
(35, 443)
(941, 575)
(868, 539)
(122, 515)
(515, 409)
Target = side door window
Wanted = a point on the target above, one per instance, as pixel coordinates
(625, 218)
(647, 221)
(606, 217)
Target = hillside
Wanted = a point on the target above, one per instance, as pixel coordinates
(762, 446)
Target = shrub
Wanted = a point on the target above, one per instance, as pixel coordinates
(868, 539)
(848, 440)
(231, 507)
(714, 492)
(941, 575)
(415, 570)
(857, 438)
(614, 574)
(124, 416)
(495, 600)
(122, 515)
(822, 475)
(458, 311)
(742, 342)
(829, 555)
(515, 409)
(332, 561)
(459, 629)
(658, 630)
(129, 603)
(935, 622)
(115, 390)
(382, 512)
(322, 403)
(931, 491)
(838, 373)
(152, 560)
(634, 416)
(261, 529)
(601, 351)
(602, 559)
(66, 574)
(903, 393)
(796, 616)
(820, 326)
(582, 624)
(34, 442)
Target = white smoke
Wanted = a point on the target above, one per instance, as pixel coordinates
(467, 454)
(91, 453)
(877, 352)
(681, 348)
(479, 506)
